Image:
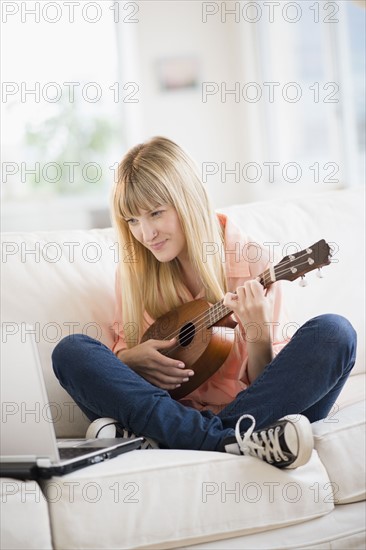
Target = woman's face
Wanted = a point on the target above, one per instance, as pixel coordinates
(160, 231)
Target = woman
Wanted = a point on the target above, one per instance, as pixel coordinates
(173, 249)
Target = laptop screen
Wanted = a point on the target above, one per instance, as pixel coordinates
(27, 430)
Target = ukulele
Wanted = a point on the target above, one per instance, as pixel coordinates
(201, 345)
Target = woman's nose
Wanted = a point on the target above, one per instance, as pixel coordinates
(149, 232)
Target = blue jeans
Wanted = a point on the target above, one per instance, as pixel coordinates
(305, 377)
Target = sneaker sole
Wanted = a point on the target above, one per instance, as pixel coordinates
(302, 437)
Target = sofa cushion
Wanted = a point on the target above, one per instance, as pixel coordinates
(343, 529)
(340, 443)
(291, 224)
(168, 498)
(24, 516)
(353, 391)
(66, 283)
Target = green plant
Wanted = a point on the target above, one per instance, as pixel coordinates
(69, 136)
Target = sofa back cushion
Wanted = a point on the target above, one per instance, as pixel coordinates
(63, 282)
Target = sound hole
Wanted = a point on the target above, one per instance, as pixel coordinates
(186, 334)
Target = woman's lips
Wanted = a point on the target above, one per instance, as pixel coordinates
(158, 246)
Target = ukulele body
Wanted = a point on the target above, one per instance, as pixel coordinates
(203, 332)
(200, 347)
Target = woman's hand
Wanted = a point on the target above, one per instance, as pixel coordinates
(253, 307)
(156, 368)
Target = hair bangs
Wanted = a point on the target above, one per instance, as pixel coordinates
(143, 193)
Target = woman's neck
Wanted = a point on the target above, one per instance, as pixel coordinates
(189, 277)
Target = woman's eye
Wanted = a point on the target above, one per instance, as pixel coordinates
(131, 221)
(157, 213)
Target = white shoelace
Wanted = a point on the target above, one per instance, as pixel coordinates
(250, 444)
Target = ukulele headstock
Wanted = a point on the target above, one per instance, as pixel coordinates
(297, 265)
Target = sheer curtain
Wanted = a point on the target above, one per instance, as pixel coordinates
(315, 118)
(62, 122)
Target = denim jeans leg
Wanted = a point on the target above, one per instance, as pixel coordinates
(305, 377)
(104, 386)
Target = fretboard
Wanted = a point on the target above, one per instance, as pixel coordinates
(218, 311)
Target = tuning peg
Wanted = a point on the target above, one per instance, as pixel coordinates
(319, 273)
(302, 281)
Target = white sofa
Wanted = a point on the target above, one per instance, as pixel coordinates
(191, 499)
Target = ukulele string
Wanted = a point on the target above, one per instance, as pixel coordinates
(189, 331)
(266, 279)
(203, 317)
(282, 271)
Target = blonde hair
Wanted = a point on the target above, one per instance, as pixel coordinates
(151, 174)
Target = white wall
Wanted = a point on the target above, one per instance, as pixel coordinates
(210, 131)
(216, 131)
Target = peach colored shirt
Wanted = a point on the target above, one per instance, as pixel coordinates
(244, 259)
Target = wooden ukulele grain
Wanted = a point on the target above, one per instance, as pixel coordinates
(201, 349)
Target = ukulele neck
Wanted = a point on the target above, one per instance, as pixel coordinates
(218, 311)
(289, 268)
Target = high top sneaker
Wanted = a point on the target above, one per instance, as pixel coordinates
(127, 434)
(107, 427)
(287, 443)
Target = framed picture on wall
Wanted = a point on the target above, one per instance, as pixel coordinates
(178, 73)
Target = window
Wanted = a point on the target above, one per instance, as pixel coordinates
(314, 59)
(356, 22)
(61, 117)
